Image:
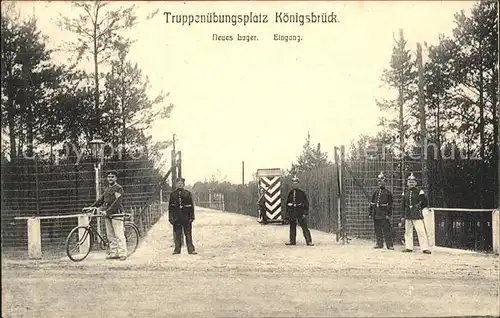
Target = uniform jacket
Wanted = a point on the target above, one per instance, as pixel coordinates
(180, 206)
(381, 204)
(108, 199)
(414, 200)
(301, 203)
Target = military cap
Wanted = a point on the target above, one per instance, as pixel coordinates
(112, 172)
(180, 179)
(295, 179)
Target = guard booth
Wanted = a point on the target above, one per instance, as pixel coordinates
(270, 180)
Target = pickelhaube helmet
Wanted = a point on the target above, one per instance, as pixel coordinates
(411, 177)
(381, 176)
(295, 179)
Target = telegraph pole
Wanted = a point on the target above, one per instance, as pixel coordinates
(174, 162)
(174, 179)
(243, 172)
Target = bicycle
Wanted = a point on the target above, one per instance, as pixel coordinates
(87, 236)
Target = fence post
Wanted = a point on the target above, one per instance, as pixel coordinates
(210, 198)
(37, 189)
(495, 227)
(430, 225)
(83, 220)
(343, 218)
(336, 188)
(34, 239)
(161, 199)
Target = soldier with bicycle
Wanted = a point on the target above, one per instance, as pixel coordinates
(297, 207)
(181, 216)
(381, 212)
(111, 199)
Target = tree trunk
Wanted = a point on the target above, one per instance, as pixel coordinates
(124, 123)
(401, 131)
(28, 107)
(12, 128)
(481, 121)
(29, 130)
(11, 118)
(423, 129)
(439, 158)
(481, 110)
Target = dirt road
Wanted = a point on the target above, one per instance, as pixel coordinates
(244, 270)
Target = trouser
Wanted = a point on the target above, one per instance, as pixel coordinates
(383, 232)
(293, 228)
(173, 238)
(421, 233)
(116, 236)
(178, 228)
(263, 215)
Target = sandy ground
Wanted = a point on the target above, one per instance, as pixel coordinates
(243, 269)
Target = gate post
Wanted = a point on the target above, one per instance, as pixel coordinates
(342, 195)
(430, 225)
(34, 239)
(495, 227)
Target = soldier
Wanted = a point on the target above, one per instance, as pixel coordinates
(111, 199)
(181, 216)
(298, 210)
(262, 205)
(414, 200)
(381, 212)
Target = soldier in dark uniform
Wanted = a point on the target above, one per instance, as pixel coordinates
(414, 200)
(181, 216)
(381, 212)
(262, 206)
(298, 209)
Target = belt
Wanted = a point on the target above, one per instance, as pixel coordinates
(379, 205)
(182, 206)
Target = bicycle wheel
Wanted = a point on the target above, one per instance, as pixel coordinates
(81, 237)
(131, 237)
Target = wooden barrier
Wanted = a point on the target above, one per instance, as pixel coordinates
(35, 235)
(430, 224)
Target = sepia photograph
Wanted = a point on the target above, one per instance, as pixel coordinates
(250, 158)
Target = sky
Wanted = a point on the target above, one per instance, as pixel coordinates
(256, 101)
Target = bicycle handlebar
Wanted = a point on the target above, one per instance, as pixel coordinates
(95, 212)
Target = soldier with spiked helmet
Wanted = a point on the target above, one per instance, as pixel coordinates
(381, 212)
(414, 200)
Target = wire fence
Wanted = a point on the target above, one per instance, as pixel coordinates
(457, 183)
(36, 188)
